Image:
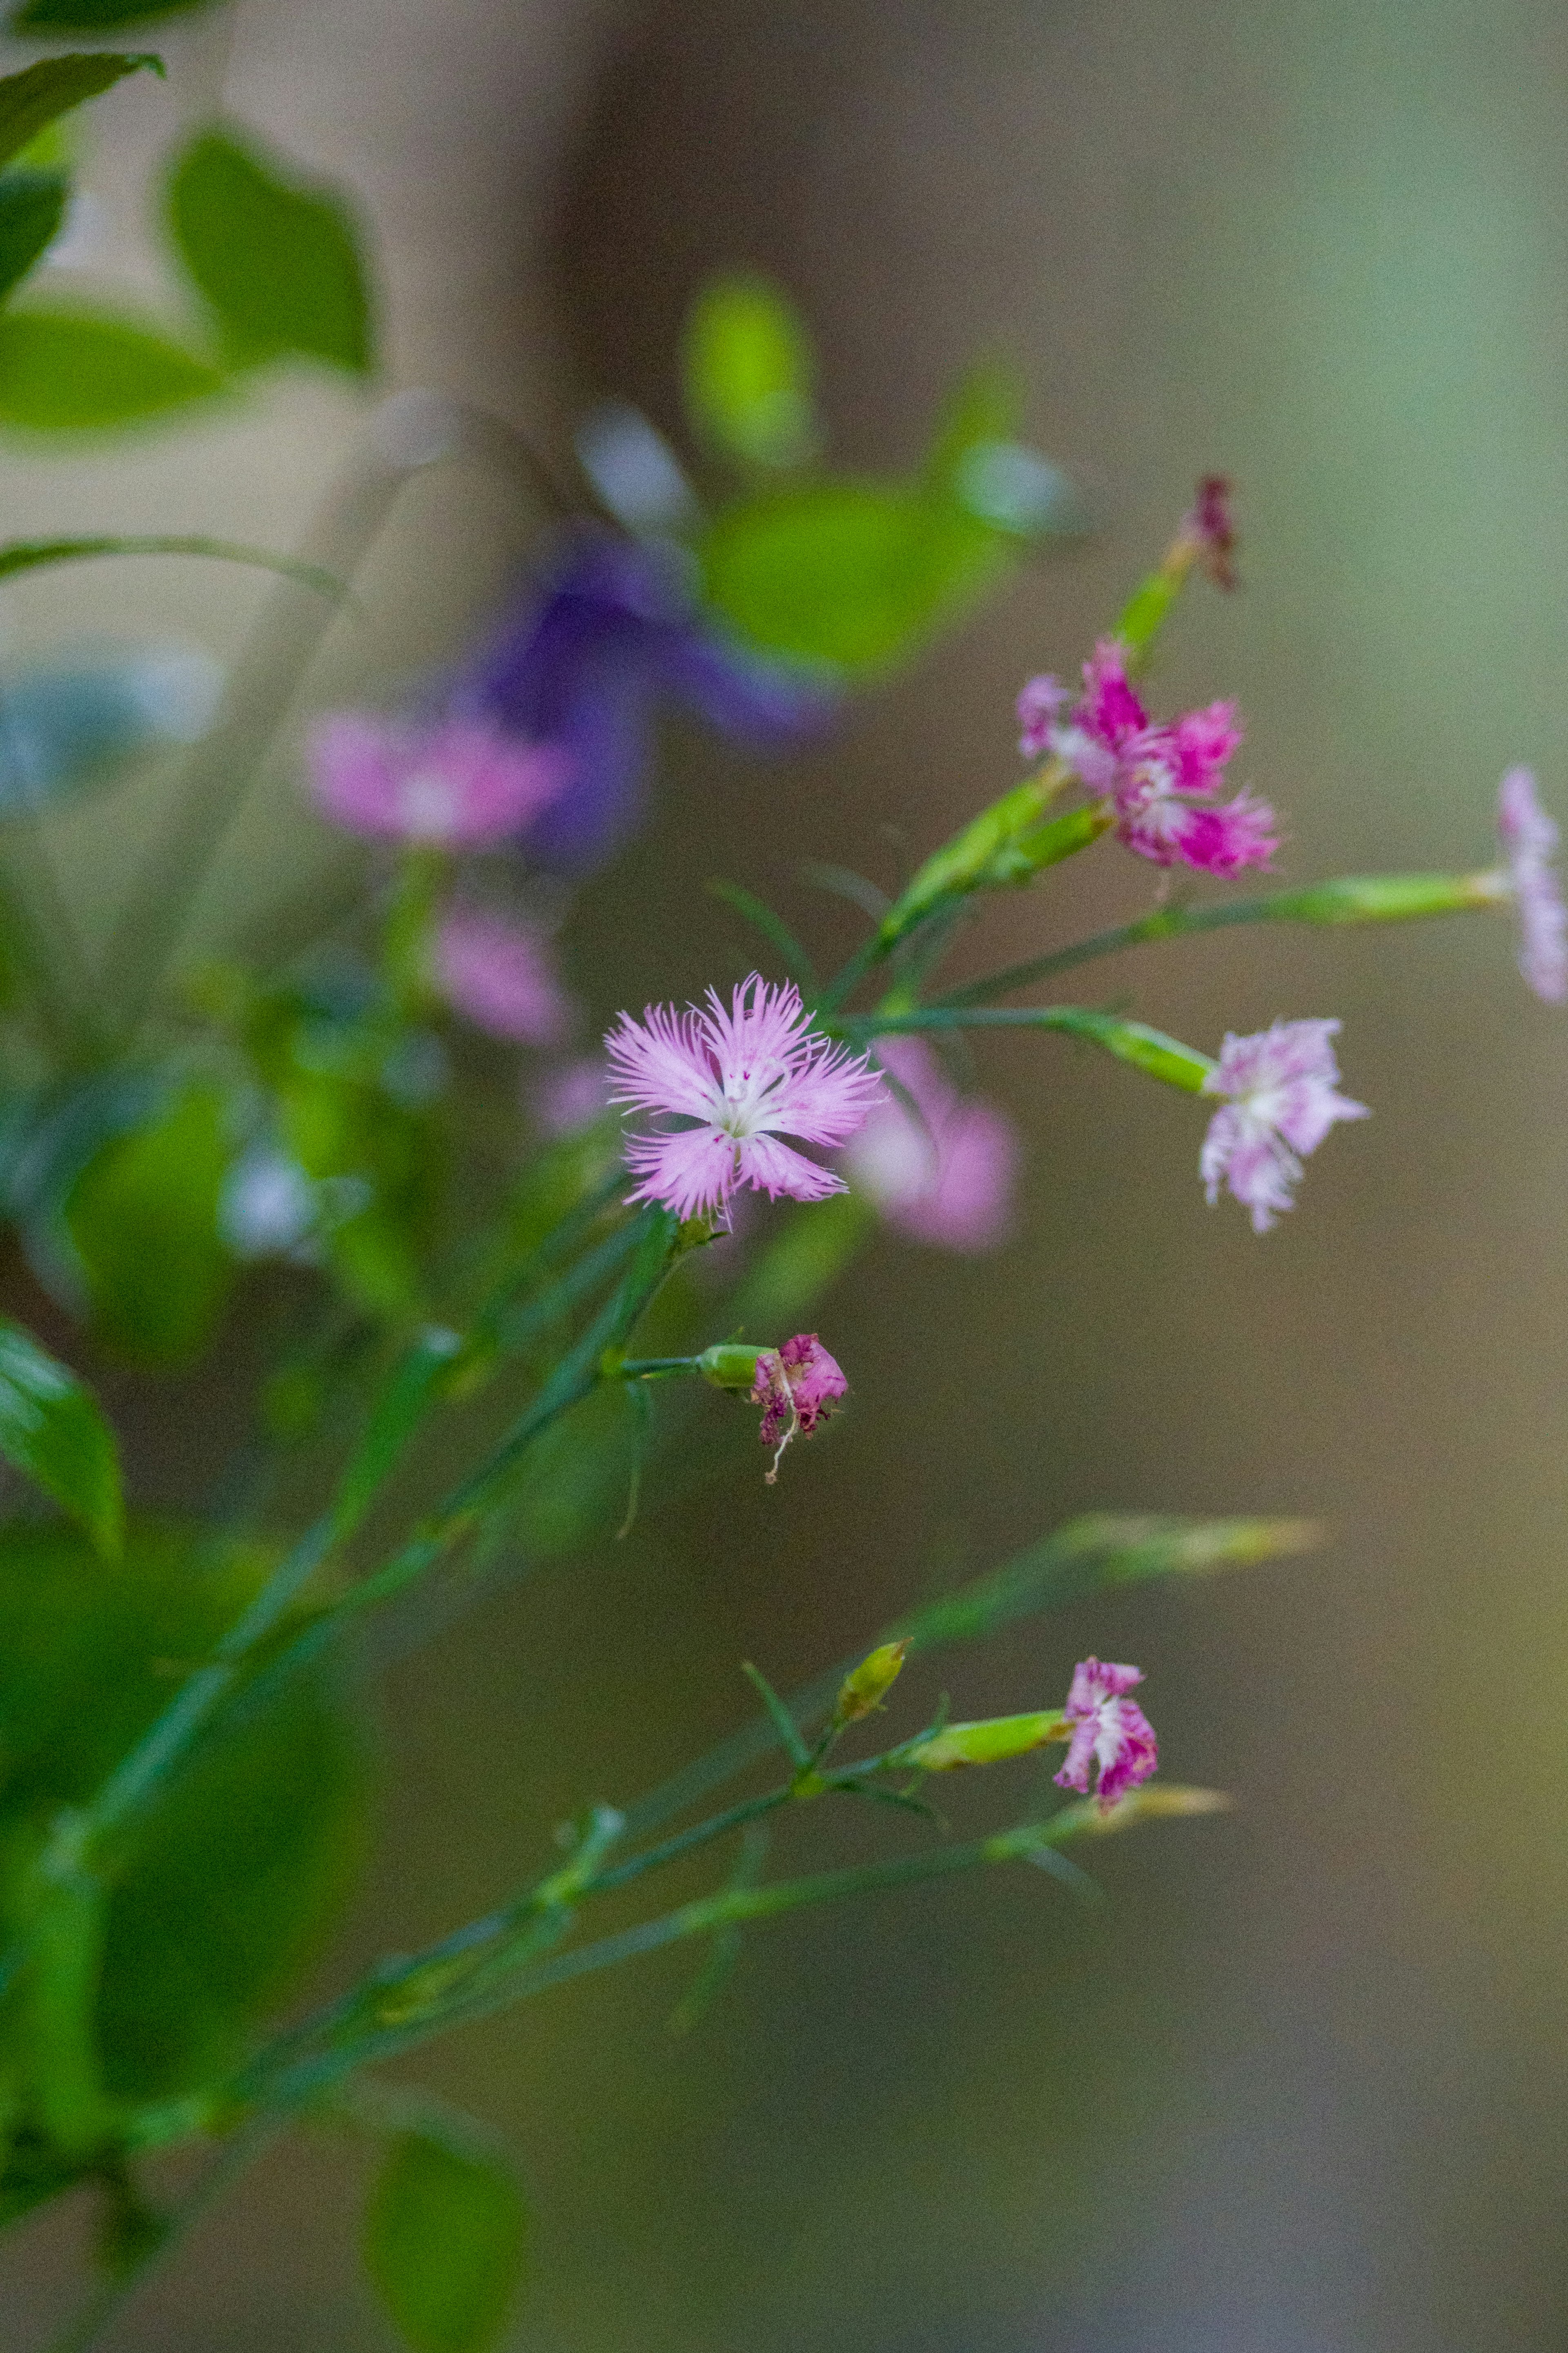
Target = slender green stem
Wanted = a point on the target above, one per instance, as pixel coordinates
(646, 1368)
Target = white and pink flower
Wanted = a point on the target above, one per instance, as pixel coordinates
(1529, 842)
(1280, 1086)
(1111, 1734)
(460, 785)
(941, 1172)
(499, 976)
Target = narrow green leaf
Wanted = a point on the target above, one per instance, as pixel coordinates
(70, 371)
(51, 1428)
(90, 17)
(748, 369)
(35, 554)
(32, 206)
(143, 1217)
(279, 260)
(40, 93)
(444, 2242)
(797, 962)
(401, 1407)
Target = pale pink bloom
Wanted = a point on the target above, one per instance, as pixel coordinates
(458, 785)
(796, 1387)
(742, 1078)
(1109, 1730)
(1038, 706)
(499, 977)
(944, 1173)
(1211, 527)
(1161, 778)
(1280, 1084)
(1529, 841)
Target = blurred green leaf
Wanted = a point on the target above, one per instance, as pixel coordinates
(444, 2242)
(53, 17)
(72, 371)
(749, 372)
(236, 1879)
(32, 206)
(401, 1406)
(51, 1428)
(34, 96)
(280, 262)
(143, 1217)
(37, 554)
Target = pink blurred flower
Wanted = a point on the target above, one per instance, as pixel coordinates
(744, 1077)
(572, 1096)
(1160, 778)
(945, 1176)
(500, 977)
(1529, 842)
(1038, 706)
(1282, 1102)
(1110, 1731)
(1211, 527)
(459, 784)
(796, 1387)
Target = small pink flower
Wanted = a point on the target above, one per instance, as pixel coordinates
(945, 1176)
(796, 1387)
(1212, 528)
(742, 1078)
(458, 785)
(1110, 1731)
(1039, 704)
(1529, 841)
(1161, 778)
(500, 977)
(1281, 1085)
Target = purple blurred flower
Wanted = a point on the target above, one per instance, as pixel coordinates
(945, 1176)
(1109, 1730)
(499, 977)
(460, 783)
(1529, 841)
(614, 628)
(1281, 1084)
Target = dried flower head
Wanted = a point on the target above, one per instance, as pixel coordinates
(797, 1387)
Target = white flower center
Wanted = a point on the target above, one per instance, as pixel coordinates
(427, 806)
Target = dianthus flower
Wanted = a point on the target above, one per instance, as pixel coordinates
(796, 1387)
(1529, 840)
(499, 976)
(943, 1173)
(744, 1077)
(1280, 1084)
(460, 783)
(1109, 1730)
(1160, 779)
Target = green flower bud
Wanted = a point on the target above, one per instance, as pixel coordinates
(1387, 898)
(989, 1743)
(730, 1365)
(862, 1693)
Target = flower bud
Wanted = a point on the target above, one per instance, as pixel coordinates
(1384, 898)
(862, 1693)
(730, 1365)
(998, 1737)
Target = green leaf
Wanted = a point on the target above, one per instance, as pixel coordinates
(71, 371)
(278, 261)
(40, 93)
(444, 2242)
(143, 1218)
(408, 1398)
(36, 554)
(32, 206)
(749, 372)
(51, 1428)
(53, 17)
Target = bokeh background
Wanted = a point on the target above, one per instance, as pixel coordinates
(1297, 2087)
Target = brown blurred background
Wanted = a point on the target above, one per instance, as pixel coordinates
(1298, 2087)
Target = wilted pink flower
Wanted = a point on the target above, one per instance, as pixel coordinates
(458, 785)
(1529, 841)
(1110, 1731)
(500, 977)
(1282, 1102)
(945, 1175)
(744, 1077)
(1160, 778)
(1039, 704)
(1212, 529)
(796, 1387)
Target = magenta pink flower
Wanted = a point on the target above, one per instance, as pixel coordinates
(458, 785)
(742, 1078)
(499, 977)
(1109, 1730)
(1282, 1102)
(945, 1175)
(796, 1387)
(1160, 779)
(1529, 841)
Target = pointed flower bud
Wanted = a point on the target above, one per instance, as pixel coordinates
(990, 1742)
(862, 1693)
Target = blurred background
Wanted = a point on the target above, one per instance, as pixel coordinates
(1297, 2087)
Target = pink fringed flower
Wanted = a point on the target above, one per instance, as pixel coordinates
(1529, 842)
(459, 786)
(1281, 1087)
(796, 1387)
(1108, 1731)
(742, 1078)
(500, 977)
(945, 1175)
(1160, 779)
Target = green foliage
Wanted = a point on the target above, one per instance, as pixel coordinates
(748, 367)
(38, 554)
(142, 1216)
(444, 2241)
(73, 371)
(50, 18)
(278, 263)
(40, 94)
(235, 1880)
(51, 1428)
(32, 206)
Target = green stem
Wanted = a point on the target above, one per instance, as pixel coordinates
(1131, 1041)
